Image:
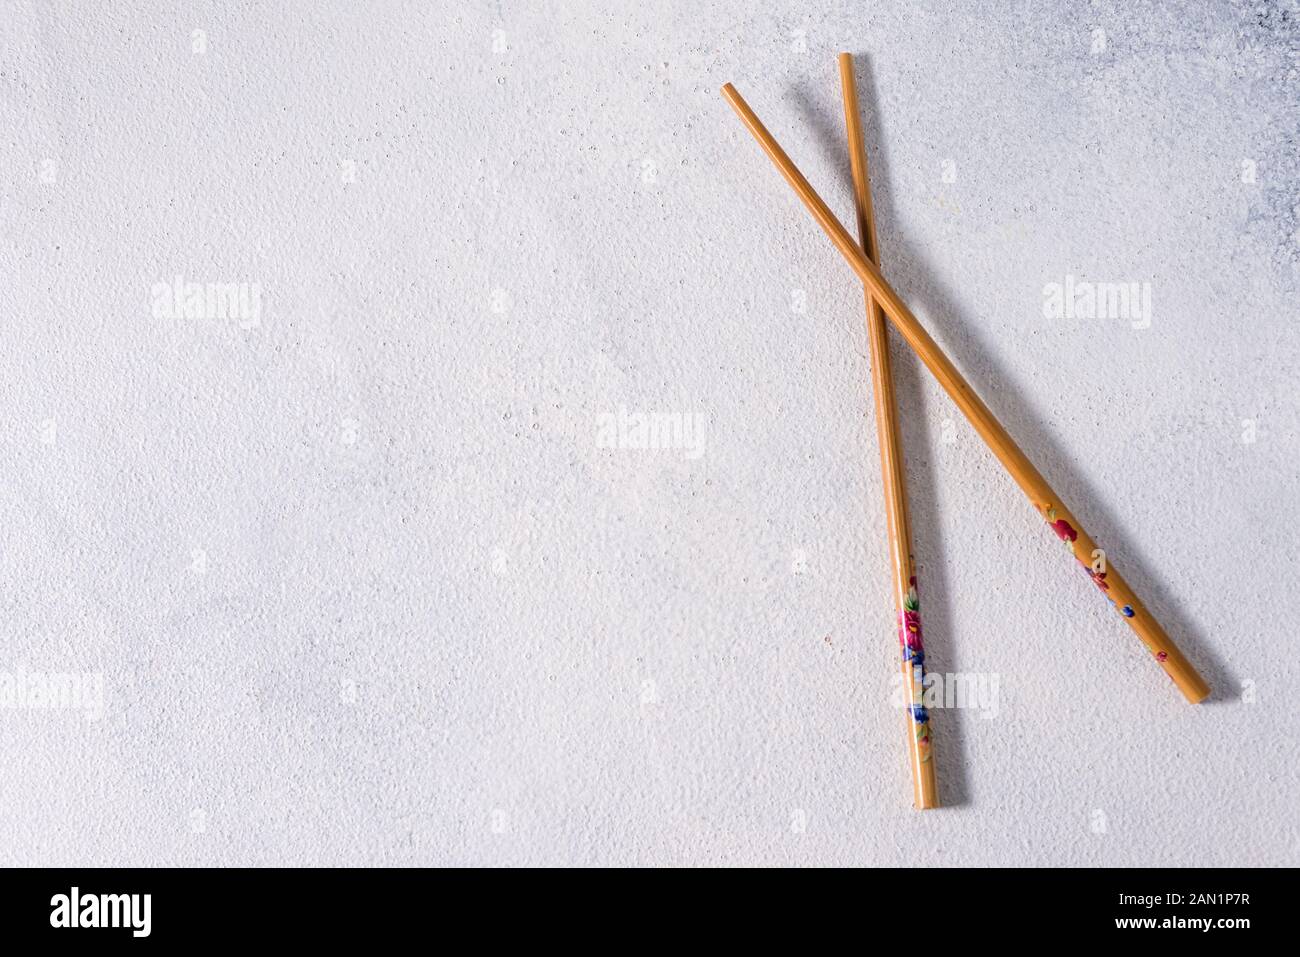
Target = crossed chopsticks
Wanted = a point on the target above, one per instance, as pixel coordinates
(882, 302)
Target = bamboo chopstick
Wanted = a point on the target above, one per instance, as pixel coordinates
(925, 791)
(1033, 484)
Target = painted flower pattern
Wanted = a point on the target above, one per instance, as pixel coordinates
(910, 635)
(1070, 536)
(1064, 530)
(909, 632)
(913, 649)
(1098, 578)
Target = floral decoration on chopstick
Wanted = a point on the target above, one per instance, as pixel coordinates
(913, 649)
(1068, 534)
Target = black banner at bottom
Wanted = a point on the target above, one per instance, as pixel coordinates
(136, 908)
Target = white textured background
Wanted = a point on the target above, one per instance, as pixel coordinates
(363, 587)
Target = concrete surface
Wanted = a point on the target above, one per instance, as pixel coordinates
(377, 561)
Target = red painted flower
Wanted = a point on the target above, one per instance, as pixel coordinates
(1065, 530)
(909, 635)
(912, 629)
(1161, 655)
(1098, 579)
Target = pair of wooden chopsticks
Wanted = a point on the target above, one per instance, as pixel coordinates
(882, 302)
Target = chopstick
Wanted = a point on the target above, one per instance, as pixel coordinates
(1048, 503)
(925, 791)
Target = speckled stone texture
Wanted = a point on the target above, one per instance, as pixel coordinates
(387, 567)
